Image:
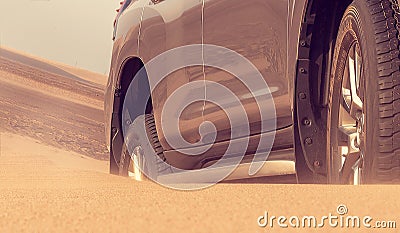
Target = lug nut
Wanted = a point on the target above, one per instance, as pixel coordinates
(306, 121)
(308, 141)
(317, 163)
(356, 144)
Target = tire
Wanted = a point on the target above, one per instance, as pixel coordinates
(144, 164)
(368, 44)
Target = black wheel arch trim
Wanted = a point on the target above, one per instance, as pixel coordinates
(311, 83)
(126, 73)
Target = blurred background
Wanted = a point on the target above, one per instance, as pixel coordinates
(74, 32)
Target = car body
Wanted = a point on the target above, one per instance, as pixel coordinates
(275, 36)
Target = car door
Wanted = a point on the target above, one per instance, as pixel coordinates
(257, 30)
(168, 25)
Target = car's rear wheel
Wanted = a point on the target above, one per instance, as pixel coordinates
(143, 155)
(363, 120)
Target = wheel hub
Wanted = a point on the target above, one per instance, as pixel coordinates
(351, 119)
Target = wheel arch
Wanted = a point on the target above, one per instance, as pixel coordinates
(318, 33)
(127, 72)
(131, 66)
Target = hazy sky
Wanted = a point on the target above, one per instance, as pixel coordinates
(75, 32)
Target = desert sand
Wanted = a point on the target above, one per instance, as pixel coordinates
(39, 62)
(54, 174)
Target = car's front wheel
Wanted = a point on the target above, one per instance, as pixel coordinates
(363, 138)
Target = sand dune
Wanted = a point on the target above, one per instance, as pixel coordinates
(52, 66)
(59, 111)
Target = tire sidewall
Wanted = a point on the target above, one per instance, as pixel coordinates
(355, 26)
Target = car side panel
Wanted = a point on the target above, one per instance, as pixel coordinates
(168, 25)
(272, 47)
(126, 46)
(257, 30)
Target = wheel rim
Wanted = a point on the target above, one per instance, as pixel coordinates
(136, 164)
(351, 120)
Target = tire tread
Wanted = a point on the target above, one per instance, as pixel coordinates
(386, 23)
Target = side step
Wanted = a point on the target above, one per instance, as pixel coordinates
(272, 167)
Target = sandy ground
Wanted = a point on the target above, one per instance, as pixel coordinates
(62, 112)
(54, 175)
(45, 189)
